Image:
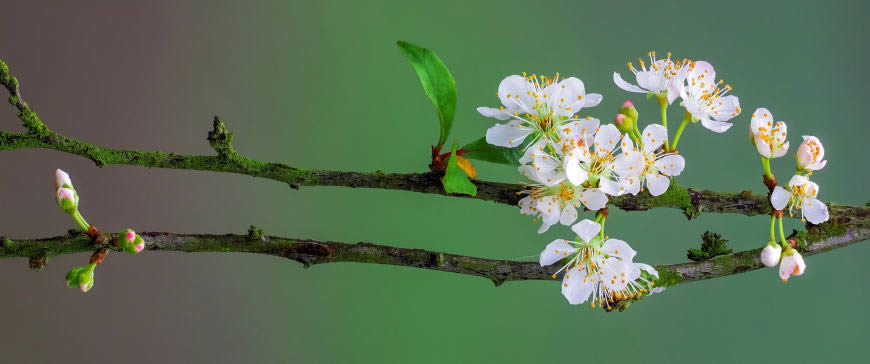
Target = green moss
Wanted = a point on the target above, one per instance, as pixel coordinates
(667, 277)
(713, 245)
(4, 69)
(255, 233)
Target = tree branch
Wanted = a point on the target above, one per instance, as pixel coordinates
(847, 225)
(692, 202)
(839, 232)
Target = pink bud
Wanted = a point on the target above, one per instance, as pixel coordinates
(130, 236)
(619, 117)
(64, 193)
(61, 178)
(627, 103)
(140, 247)
(84, 287)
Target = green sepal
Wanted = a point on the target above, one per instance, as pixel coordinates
(455, 180)
(437, 82)
(483, 151)
(81, 275)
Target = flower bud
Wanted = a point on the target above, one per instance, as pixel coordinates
(624, 123)
(61, 179)
(628, 109)
(67, 199)
(770, 254)
(810, 154)
(81, 277)
(131, 242)
(792, 263)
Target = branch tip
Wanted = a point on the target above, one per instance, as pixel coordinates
(221, 139)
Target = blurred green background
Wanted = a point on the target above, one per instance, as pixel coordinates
(322, 85)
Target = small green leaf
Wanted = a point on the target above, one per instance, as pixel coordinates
(455, 180)
(483, 151)
(437, 82)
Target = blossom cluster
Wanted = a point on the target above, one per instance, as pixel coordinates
(575, 162)
(769, 139)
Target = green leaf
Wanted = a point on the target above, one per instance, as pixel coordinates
(483, 151)
(455, 180)
(437, 82)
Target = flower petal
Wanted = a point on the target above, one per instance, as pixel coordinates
(592, 100)
(797, 180)
(569, 215)
(762, 146)
(492, 112)
(617, 79)
(779, 198)
(628, 164)
(618, 248)
(516, 93)
(507, 135)
(814, 211)
(527, 205)
(586, 229)
(647, 268)
(610, 187)
(783, 149)
(573, 170)
(761, 118)
(716, 126)
(606, 139)
(671, 165)
(555, 251)
(593, 198)
(653, 136)
(727, 107)
(575, 288)
(657, 184)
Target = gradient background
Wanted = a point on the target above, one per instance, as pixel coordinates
(322, 85)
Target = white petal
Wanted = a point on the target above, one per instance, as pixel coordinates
(617, 79)
(549, 210)
(627, 144)
(574, 288)
(814, 211)
(716, 126)
(515, 93)
(798, 180)
(816, 166)
(628, 164)
(762, 146)
(527, 205)
(569, 215)
(726, 108)
(618, 248)
(657, 184)
(761, 118)
(610, 187)
(532, 150)
(783, 149)
(653, 136)
(606, 139)
(630, 185)
(593, 198)
(575, 173)
(586, 229)
(671, 165)
(492, 112)
(592, 100)
(650, 80)
(555, 251)
(571, 97)
(779, 198)
(507, 135)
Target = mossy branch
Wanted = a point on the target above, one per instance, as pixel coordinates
(837, 233)
(692, 202)
(848, 224)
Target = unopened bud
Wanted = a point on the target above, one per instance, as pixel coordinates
(770, 254)
(67, 200)
(131, 242)
(628, 109)
(81, 277)
(61, 179)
